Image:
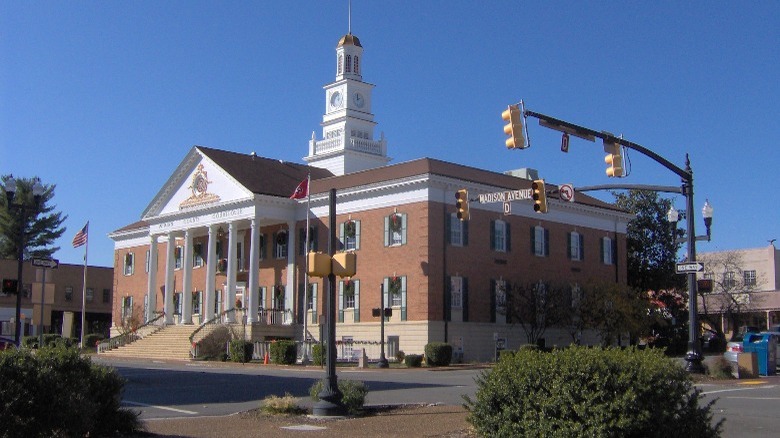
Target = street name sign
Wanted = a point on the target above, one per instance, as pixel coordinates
(45, 263)
(688, 267)
(509, 195)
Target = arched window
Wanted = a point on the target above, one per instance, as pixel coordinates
(357, 65)
(340, 64)
(348, 64)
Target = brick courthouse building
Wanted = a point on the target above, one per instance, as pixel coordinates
(223, 232)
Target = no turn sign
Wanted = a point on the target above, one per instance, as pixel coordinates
(566, 192)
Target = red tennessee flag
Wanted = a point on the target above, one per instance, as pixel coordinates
(302, 190)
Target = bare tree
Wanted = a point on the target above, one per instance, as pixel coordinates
(732, 287)
(535, 307)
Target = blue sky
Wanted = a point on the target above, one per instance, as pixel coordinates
(104, 99)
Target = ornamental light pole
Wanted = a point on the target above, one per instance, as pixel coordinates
(12, 189)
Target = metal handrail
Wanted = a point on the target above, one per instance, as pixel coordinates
(130, 336)
(211, 322)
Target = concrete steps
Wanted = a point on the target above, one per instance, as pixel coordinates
(171, 342)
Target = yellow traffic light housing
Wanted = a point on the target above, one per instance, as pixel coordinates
(319, 264)
(614, 160)
(514, 129)
(462, 204)
(539, 195)
(344, 264)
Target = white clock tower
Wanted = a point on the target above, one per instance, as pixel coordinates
(348, 143)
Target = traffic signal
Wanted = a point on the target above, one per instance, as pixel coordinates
(462, 204)
(539, 195)
(514, 129)
(10, 286)
(614, 160)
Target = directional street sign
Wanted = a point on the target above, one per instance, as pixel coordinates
(46, 263)
(687, 268)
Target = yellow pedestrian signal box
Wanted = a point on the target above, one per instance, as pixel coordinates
(462, 204)
(319, 264)
(345, 264)
(539, 195)
(514, 127)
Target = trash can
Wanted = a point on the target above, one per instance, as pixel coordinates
(765, 347)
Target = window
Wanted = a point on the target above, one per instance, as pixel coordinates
(729, 280)
(498, 300)
(197, 259)
(263, 253)
(177, 303)
(68, 293)
(148, 261)
(349, 232)
(127, 307)
(348, 64)
(346, 343)
(395, 229)
(129, 263)
(240, 255)
(749, 278)
(458, 231)
(196, 296)
(280, 245)
(349, 298)
(106, 295)
(340, 65)
(540, 241)
(279, 297)
(90, 294)
(607, 251)
(456, 292)
(349, 294)
(499, 236)
(357, 65)
(311, 302)
(177, 253)
(395, 294)
(302, 239)
(576, 247)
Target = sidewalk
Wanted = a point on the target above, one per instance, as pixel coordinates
(409, 421)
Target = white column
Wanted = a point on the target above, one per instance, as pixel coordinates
(289, 291)
(151, 285)
(186, 288)
(230, 300)
(169, 287)
(252, 294)
(211, 275)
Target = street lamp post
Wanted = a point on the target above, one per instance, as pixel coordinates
(12, 187)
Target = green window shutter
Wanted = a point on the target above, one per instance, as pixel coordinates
(508, 237)
(403, 229)
(492, 300)
(386, 294)
(302, 241)
(387, 230)
(341, 301)
(314, 304)
(448, 299)
(568, 245)
(357, 301)
(492, 235)
(403, 298)
(274, 244)
(601, 249)
(357, 235)
(614, 251)
(465, 299)
(465, 233)
(448, 228)
(582, 247)
(262, 252)
(533, 239)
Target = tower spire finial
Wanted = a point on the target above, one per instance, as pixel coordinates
(349, 17)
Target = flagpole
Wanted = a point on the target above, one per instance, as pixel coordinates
(84, 291)
(305, 358)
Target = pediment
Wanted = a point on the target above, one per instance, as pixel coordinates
(198, 183)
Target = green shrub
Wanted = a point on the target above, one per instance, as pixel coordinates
(213, 345)
(413, 360)
(399, 356)
(318, 351)
(91, 340)
(504, 354)
(241, 350)
(353, 394)
(438, 354)
(30, 342)
(281, 405)
(57, 392)
(580, 391)
(720, 369)
(283, 352)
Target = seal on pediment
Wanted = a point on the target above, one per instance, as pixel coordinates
(199, 187)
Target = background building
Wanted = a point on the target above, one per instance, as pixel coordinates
(223, 234)
(62, 306)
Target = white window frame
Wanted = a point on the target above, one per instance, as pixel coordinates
(499, 236)
(281, 249)
(178, 257)
(575, 252)
(456, 230)
(749, 277)
(606, 249)
(500, 296)
(129, 264)
(456, 292)
(539, 242)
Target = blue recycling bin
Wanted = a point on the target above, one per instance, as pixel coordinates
(765, 347)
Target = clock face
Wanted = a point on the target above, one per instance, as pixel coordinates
(336, 99)
(359, 100)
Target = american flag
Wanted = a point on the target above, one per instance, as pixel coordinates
(302, 190)
(81, 237)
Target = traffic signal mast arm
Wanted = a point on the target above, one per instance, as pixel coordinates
(589, 134)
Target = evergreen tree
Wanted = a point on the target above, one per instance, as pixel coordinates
(42, 226)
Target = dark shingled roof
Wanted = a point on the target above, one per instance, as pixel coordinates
(263, 176)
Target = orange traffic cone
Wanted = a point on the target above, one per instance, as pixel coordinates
(265, 358)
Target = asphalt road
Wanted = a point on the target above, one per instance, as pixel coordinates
(179, 389)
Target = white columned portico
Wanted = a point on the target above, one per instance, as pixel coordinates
(151, 287)
(169, 287)
(252, 294)
(186, 289)
(211, 274)
(230, 300)
(289, 291)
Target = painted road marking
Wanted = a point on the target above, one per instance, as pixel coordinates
(736, 389)
(164, 408)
